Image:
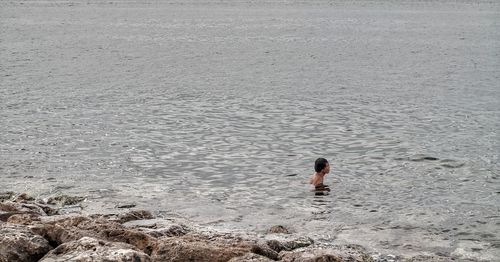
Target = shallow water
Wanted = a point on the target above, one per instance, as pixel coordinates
(216, 112)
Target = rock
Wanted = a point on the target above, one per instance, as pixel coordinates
(47, 209)
(6, 195)
(288, 245)
(23, 218)
(71, 228)
(91, 249)
(10, 206)
(349, 253)
(250, 257)
(65, 200)
(17, 243)
(197, 248)
(279, 230)
(158, 227)
(23, 198)
(65, 210)
(134, 215)
(264, 250)
(141, 240)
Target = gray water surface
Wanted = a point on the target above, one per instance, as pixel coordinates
(216, 112)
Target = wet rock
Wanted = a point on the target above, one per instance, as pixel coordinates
(91, 249)
(287, 245)
(197, 248)
(264, 250)
(23, 198)
(134, 215)
(17, 243)
(65, 200)
(250, 257)
(6, 195)
(349, 253)
(279, 230)
(50, 211)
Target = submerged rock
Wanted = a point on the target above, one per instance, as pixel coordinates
(279, 229)
(17, 243)
(91, 249)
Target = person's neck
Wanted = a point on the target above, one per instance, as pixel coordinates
(321, 174)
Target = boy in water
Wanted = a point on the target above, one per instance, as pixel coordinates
(322, 167)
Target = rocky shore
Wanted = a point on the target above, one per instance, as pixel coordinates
(54, 229)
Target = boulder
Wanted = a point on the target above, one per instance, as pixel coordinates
(198, 248)
(17, 243)
(91, 249)
(71, 228)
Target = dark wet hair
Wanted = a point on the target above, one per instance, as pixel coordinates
(320, 164)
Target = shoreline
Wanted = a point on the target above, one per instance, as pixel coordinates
(56, 229)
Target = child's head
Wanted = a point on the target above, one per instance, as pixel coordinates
(322, 166)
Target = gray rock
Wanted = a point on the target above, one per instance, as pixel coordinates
(10, 206)
(287, 245)
(6, 195)
(91, 249)
(17, 243)
(264, 250)
(71, 228)
(198, 248)
(158, 227)
(134, 215)
(351, 253)
(250, 257)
